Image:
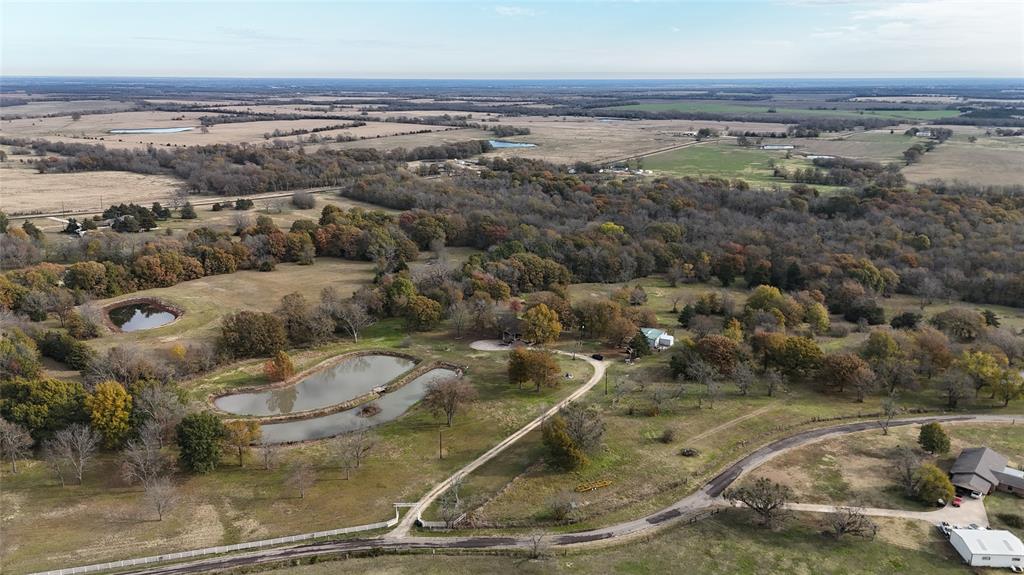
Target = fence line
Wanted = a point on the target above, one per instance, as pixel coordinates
(223, 548)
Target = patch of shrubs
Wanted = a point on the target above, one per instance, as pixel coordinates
(689, 452)
(65, 349)
(1011, 519)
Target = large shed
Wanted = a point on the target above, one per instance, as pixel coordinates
(988, 547)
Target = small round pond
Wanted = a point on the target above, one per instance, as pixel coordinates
(140, 315)
(392, 405)
(343, 381)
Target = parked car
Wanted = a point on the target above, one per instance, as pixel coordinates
(597, 356)
(957, 501)
(1016, 568)
(945, 527)
(975, 495)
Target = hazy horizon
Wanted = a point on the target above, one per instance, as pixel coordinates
(748, 39)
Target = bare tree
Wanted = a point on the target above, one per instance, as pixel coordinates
(460, 316)
(773, 381)
(242, 220)
(301, 478)
(351, 449)
(76, 446)
(744, 377)
(142, 461)
(906, 461)
(353, 316)
(766, 498)
(890, 409)
(161, 406)
(451, 506)
(15, 442)
(584, 425)
(162, 495)
(268, 455)
(61, 303)
(538, 544)
(447, 395)
(851, 521)
(55, 461)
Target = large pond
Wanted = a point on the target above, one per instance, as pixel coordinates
(149, 130)
(144, 315)
(343, 381)
(503, 144)
(392, 405)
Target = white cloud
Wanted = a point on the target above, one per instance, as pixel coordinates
(513, 11)
(675, 29)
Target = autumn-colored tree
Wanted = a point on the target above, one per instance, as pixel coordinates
(240, 435)
(719, 351)
(537, 366)
(110, 407)
(842, 370)
(422, 313)
(982, 367)
(252, 334)
(799, 356)
(733, 330)
(880, 346)
(816, 315)
(541, 324)
(280, 367)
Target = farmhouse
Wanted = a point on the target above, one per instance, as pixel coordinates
(777, 146)
(982, 470)
(987, 547)
(657, 339)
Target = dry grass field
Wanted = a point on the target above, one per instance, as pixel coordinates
(42, 108)
(24, 191)
(989, 161)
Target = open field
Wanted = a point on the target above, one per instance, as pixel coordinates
(23, 190)
(722, 107)
(47, 526)
(995, 161)
(43, 108)
(96, 129)
(858, 469)
(726, 544)
(874, 145)
(207, 300)
(724, 159)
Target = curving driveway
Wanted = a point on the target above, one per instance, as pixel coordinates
(416, 510)
(708, 497)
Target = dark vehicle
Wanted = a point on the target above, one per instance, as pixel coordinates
(597, 356)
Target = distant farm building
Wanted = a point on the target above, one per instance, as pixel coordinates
(988, 547)
(777, 146)
(982, 470)
(924, 134)
(657, 339)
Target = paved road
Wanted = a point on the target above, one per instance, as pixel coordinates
(707, 497)
(414, 513)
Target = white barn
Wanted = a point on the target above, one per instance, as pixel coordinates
(988, 547)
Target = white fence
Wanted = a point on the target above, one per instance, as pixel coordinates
(222, 549)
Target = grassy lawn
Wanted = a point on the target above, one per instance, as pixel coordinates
(1000, 503)
(858, 469)
(722, 107)
(46, 526)
(725, 159)
(726, 544)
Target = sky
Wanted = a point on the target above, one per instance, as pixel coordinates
(533, 39)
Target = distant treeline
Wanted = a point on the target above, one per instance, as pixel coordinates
(231, 170)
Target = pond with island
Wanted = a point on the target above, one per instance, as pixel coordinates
(140, 315)
(390, 406)
(338, 383)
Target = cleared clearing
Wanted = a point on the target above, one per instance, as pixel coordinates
(988, 161)
(24, 190)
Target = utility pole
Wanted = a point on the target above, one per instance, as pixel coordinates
(440, 447)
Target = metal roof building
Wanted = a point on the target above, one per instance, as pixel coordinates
(987, 547)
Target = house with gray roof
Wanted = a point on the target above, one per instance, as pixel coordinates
(984, 470)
